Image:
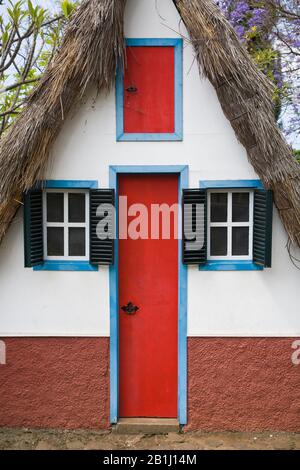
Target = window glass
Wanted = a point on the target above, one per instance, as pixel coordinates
(76, 207)
(218, 241)
(66, 231)
(240, 207)
(55, 207)
(230, 224)
(76, 241)
(55, 241)
(218, 207)
(240, 241)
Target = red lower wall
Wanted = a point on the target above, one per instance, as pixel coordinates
(55, 382)
(243, 384)
(233, 384)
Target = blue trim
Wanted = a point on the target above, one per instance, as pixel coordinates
(114, 310)
(153, 42)
(178, 75)
(230, 265)
(183, 183)
(65, 265)
(182, 171)
(215, 184)
(66, 184)
(122, 137)
(148, 168)
(120, 104)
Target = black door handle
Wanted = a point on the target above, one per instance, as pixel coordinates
(130, 308)
(132, 89)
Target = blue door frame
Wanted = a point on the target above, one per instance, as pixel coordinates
(177, 43)
(182, 171)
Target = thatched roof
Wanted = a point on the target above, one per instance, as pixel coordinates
(93, 45)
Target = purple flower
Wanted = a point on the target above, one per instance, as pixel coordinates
(278, 78)
(296, 42)
(258, 17)
(240, 31)
(237, 15)
(242, 8)
(247, 16)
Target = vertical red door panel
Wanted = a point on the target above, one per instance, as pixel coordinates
(148, 277)
(149, 90)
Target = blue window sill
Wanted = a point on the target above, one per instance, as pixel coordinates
(127, 137)
(230, 266)
(66, 266)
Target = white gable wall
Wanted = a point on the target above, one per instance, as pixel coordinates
(258, 303)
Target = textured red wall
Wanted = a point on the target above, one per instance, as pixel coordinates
(234, 384)
(243, 384)
(55, 382)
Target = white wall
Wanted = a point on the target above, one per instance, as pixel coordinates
(219, 303)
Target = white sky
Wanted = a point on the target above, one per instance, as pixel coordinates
(50, 4)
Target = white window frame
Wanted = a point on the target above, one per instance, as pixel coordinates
(229, 224)
(66, 224)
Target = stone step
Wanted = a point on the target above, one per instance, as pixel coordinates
(146, 426)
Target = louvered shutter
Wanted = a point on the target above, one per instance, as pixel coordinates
(102, 250)
(194, 202)
(262, 229)
(33, 228)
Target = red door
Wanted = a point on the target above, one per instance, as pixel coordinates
(148, 277)
(151, 106)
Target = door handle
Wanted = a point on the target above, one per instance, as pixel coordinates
(130, 308)
(132, 89)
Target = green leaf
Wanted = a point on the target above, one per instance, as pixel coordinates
(67, 8)
(4, 37)
(31, 9)
(23, 16)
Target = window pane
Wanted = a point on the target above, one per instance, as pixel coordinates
(218, 241)
(218, 207)
(76, 207)
(55, 241)
(76, 241)
(240, 207)
(240, 241)
(55, 207)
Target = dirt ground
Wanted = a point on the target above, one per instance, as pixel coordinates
(27, 439)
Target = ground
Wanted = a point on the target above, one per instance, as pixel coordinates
(27, 439)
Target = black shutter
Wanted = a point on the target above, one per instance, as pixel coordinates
(262, 229)
(33, 228)
(101, 251)
(191, 198)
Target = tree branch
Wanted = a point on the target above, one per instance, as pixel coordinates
(18, 85)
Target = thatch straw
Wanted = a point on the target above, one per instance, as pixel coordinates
(93, 45)
(245, 97)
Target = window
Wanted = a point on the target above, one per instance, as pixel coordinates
(66, 224)
(235, 225)
(230, 224)
(149, 91)
(60, 226)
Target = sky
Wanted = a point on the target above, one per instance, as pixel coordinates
(48, 3)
